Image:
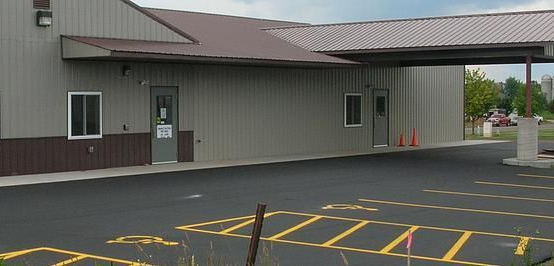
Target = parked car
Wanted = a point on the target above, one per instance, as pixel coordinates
(539, 118)
(513, 119)
(499, 120)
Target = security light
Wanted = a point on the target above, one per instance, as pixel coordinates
(44, 18)
(126, 71)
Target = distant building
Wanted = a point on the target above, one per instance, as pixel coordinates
(547, 87)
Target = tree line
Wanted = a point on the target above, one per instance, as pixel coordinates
(482, 94)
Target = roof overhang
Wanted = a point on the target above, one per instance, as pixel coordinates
(453, 55)
(78, 48)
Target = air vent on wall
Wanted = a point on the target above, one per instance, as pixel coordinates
(41, 4)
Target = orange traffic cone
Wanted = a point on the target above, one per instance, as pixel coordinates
(415, 142)
(402, 141)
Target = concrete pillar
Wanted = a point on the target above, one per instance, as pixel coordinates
(527, 139)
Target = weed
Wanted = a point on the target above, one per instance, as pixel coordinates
(527, 258)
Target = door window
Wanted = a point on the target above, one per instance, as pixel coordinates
(164, 109)
(381, 107)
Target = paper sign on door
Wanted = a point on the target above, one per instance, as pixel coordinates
(165, 131)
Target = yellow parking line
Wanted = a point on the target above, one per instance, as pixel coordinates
(537, 176)
(522, 246)
(367, 251)
(70, 261)
(487, 195)
(241, 225)
(457, 246)
(76, 255)
(410, 225)
(513, 185)
(55, 250)
(399, 240)
(345, 234)
(294, 228)
(12, 255)
(220, 221)
(459, 209)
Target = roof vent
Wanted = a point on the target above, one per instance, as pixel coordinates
(41, 4)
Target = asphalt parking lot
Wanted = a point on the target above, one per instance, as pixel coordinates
(461, 204)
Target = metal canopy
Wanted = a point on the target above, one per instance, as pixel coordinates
(476, 55)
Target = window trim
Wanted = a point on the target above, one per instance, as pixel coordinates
(69, 117)
(361, 124)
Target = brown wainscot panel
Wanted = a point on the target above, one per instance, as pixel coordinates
(186, 146)
(57, 154)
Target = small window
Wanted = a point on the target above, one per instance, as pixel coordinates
(353, 110)
(84, 115)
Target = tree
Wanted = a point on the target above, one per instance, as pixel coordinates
(509, 92)
(539, 101)
(480, 95)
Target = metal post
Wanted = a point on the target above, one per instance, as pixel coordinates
(528, 89)
(256, 233)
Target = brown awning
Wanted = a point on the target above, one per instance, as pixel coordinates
(91, 48)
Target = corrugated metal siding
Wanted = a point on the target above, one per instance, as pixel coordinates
(99, 18)
(251, 112)
(427, 98)
(240, 112)
(506, 28)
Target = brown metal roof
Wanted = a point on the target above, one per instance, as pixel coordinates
(435, 32)
(217, 38)
(236, 37)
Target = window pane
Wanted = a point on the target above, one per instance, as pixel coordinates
(164, 110)
(357, 109)
(381, 106)
(353, 110)
(77, 128)
(93, 114)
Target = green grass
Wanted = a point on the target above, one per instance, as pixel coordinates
(544, 134)
(548, 115)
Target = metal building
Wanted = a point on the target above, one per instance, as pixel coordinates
(88, 84)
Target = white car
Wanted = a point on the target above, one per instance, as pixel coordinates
(539, 118)
(514, 117)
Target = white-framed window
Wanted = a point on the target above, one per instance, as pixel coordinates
(352, 110)
(84, 115)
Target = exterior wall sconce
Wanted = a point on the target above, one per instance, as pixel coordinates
(144, 82)
(44, 18)
(126, 71)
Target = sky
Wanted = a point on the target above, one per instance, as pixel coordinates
(333, 11)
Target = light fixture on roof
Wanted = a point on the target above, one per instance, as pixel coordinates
(44, 18)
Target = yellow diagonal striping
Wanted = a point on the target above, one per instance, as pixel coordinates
(399, 240)
(367, 251)
(241, 225)
(513, 185)
(457, 246)
(296, 227)
(345, 234)
(522, 246)
(537, 176)
(217, 222)
(70, 261)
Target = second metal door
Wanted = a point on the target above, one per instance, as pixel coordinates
(380, 118)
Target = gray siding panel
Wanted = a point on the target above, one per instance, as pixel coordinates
(98, 18)
(427, 98)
